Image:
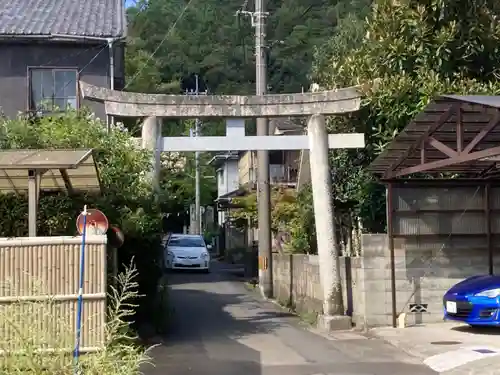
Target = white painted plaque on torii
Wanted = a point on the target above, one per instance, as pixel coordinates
(236, 140)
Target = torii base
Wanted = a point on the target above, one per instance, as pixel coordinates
(329, 323)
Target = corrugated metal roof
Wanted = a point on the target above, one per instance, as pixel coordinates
(91, 18)
(476, 113)
(286, 125)
(79, 166)
(42, 159)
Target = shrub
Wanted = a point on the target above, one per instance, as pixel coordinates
(127, 197)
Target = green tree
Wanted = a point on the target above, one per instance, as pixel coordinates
(291, 215)
(179, 182)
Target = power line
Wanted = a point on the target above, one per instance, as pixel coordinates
(92, 59)
(74, 54)
(146, 22)
(80, 70)
(86, 65)
(168, 33)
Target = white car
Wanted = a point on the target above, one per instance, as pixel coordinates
(187, 252)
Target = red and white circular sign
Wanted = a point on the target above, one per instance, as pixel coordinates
(97, 223)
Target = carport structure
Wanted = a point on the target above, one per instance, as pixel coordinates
(31, 171)
(441, 174)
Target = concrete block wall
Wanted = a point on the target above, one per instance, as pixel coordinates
(424, 270)
(372, 287)
(296, 282)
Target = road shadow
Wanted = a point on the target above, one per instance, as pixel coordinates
(211, 332)
(224, 272)
(478, 330)
(216, 315)
(219, 327)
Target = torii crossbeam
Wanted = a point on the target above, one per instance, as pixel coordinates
(232, 107)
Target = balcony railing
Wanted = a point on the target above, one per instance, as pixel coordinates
(278, 174)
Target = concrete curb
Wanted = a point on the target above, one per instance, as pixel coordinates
(371, 333)
(328, 335)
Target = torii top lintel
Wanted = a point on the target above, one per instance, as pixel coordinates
(131, 104)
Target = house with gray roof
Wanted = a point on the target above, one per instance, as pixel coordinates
(47, 46)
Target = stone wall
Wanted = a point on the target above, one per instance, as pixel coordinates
(296, 282)
(424, 270)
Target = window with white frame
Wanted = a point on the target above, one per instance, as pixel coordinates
(53, 89)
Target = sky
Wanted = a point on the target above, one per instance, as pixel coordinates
(129, 3)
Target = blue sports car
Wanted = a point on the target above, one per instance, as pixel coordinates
(475, 301)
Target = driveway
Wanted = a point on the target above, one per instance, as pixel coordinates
(451, 348)
(220, 328)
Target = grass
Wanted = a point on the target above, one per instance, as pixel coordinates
(310, 317)
(163, 310)
(38, 338)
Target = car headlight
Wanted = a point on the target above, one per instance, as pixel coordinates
(490, 293)
(170, 254)
(204, 255)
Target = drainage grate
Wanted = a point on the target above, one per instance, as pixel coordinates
(446, 343)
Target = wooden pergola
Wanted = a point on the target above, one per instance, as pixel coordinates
(453, 134)
(31, 171)
(453, 142)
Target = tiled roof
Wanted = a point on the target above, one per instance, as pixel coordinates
(91, 18)
(286, 124)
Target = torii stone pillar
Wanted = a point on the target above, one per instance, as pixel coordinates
(315, 104)
(150, 140)
(328, 252)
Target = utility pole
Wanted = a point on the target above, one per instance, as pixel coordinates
(197, 181)
(196, 133)
(258, 18)
(197, 169)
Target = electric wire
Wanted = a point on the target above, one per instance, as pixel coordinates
(61, 89)
(74, 54)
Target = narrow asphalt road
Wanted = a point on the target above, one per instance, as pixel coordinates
(220, 328)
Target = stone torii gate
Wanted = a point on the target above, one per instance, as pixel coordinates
(315, 105)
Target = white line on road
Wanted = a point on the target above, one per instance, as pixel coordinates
(455, 358)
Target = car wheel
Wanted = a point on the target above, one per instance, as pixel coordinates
(206, 270)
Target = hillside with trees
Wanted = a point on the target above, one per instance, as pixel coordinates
(210, 40)
(412, 49)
